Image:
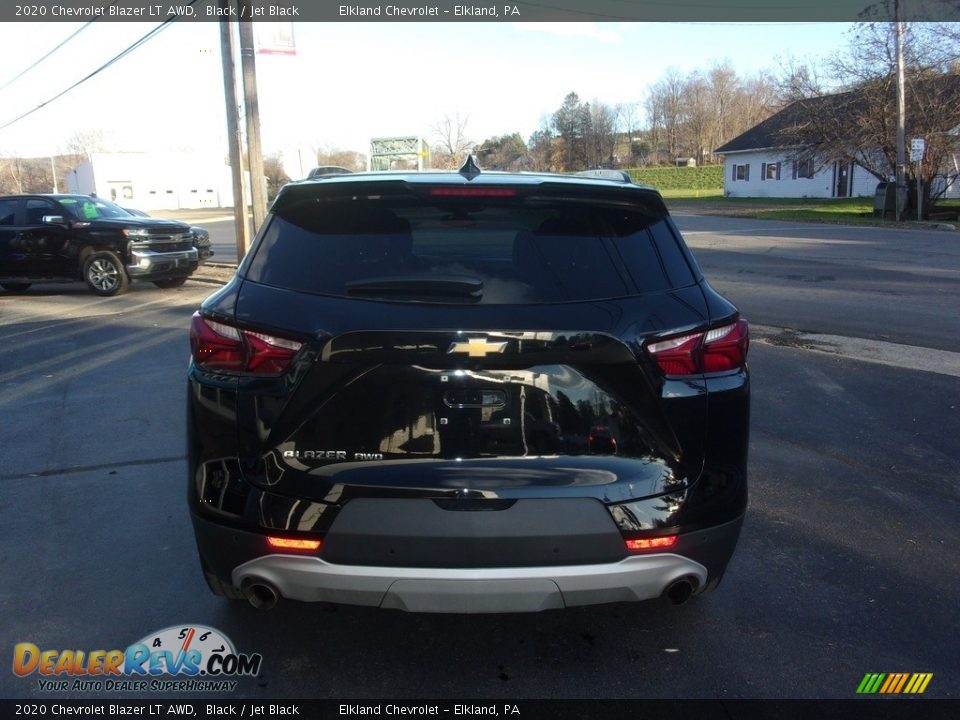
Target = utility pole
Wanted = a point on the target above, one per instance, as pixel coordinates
(53, 170)
(251, 104)
(901, 114)
(241, 226)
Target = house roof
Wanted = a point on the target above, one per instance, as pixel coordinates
(769, 133)
(833, 108)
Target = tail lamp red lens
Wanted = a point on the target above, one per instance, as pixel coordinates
(718, 349)
(221, 347)
(655, 543)
(282, 543)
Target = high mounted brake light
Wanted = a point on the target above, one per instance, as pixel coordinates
(719, 349)
(224, 348)
(472, 192)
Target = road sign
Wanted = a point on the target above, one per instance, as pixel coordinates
(917, 146)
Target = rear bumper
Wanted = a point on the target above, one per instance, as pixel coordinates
(473, 590)
(241, 557)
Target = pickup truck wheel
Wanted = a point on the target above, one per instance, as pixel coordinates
(105, 274)
(15, 287)
(171, 283)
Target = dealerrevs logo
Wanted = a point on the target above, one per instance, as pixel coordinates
(201, 658)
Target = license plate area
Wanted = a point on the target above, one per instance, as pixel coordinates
(474, 398)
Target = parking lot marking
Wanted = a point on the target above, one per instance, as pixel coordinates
(908, 357)
(89, 468)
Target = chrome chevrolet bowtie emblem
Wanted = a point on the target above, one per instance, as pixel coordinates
(477, 347)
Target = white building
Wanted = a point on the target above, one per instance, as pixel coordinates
(757, 164)
(772, 172)
(154, 181)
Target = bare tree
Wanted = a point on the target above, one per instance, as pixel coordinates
(25, 175)
(452, 142)
(861, 123)
(601, 135)
(796, 80)
(700, 116)
(723, 84)
(83, 143)
(667, 114)
(349, 159)
(275, 174)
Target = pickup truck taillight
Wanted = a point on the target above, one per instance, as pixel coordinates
(719, 349)
(221, 347)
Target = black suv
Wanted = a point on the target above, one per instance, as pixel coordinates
(467, 392)
(77, 237)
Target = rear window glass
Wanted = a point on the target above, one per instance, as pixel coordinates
(489, 250)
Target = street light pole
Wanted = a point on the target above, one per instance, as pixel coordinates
(251, 102)
(240, 224)
(901, 113)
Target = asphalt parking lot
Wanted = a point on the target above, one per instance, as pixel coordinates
(848, 561)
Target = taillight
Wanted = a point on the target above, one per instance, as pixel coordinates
(725, 348)
(719, 349)
(224, 348)
(655, 543)
(282, 543)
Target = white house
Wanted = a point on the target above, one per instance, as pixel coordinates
(154, 181)
(773, 172)
(757, 164)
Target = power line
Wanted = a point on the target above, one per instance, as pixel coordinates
(51, 52)
(12, 80)
(129, 49)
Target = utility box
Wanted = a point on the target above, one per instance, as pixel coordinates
(885, 200)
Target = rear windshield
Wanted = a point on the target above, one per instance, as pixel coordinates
(492, 250)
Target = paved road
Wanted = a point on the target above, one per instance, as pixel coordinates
(849, 560)
(896, 285)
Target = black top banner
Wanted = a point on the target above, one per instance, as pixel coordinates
(481, 709)
(481, 11)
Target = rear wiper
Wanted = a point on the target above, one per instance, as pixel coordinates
(419, 286)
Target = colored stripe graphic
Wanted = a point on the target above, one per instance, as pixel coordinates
(892, 679)
(894, 683)
(903, 679)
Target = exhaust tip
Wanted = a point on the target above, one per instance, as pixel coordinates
(260, 594)
(679, 591)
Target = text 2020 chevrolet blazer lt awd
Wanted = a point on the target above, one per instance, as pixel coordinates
(467, 392)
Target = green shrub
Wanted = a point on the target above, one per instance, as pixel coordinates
(706, 177)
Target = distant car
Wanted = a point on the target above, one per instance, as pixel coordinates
(389, 403)
(601, 442)
(62, 237)
(201, 237)
(322, 170)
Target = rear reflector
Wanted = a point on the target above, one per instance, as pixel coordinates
(223, 348)
(472, 192)
(657, 543)
(292, 543)
(719, 349)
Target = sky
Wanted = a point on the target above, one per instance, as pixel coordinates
(349, 82)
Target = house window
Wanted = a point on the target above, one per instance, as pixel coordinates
(803, 168)
(741, 172)
(770, 171)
